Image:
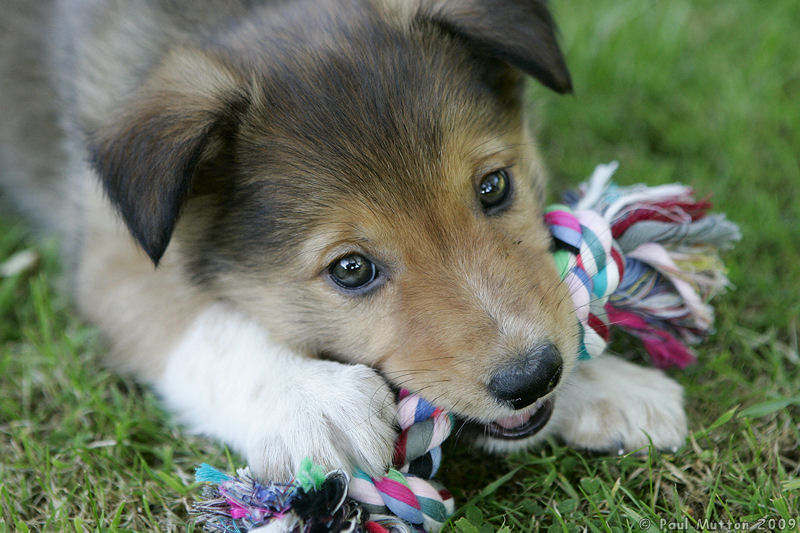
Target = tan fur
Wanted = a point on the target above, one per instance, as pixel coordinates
(475, 292)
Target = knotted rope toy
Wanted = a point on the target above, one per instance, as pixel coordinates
(643, 259)
(408, 492)
(405, 499)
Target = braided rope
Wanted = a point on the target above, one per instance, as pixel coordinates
(591, 264)
(406, 490)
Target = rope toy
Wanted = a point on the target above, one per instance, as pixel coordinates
(404, 500)
(644, 259)
(407, 492)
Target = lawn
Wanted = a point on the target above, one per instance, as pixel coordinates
(699, 91)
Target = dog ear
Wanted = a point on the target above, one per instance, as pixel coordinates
(519, 32)
(146, 159)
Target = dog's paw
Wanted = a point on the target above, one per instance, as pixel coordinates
(340, 416)
(609, 404)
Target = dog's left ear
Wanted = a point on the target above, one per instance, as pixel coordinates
(148, 154)
(519, 32)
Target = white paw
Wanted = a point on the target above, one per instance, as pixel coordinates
(227, 379)
(341, 416)
(609, 404)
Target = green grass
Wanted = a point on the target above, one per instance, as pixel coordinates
(703, 92)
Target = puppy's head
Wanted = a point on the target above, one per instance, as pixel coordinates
(359, 177)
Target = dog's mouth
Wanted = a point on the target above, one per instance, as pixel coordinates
(518, 426)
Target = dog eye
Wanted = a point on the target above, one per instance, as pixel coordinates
(353, 271)
(494, 190)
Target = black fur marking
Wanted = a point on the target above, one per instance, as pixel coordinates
(147, 165)
(520, 32)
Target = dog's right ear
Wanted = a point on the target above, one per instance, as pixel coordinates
(520, 32)
(146, 159)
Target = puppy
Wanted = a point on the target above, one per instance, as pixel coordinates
(278, 212)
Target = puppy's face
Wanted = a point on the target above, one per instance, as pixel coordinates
(446, 284)
(371, 196)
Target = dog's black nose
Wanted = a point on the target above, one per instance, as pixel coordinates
(527, 379)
